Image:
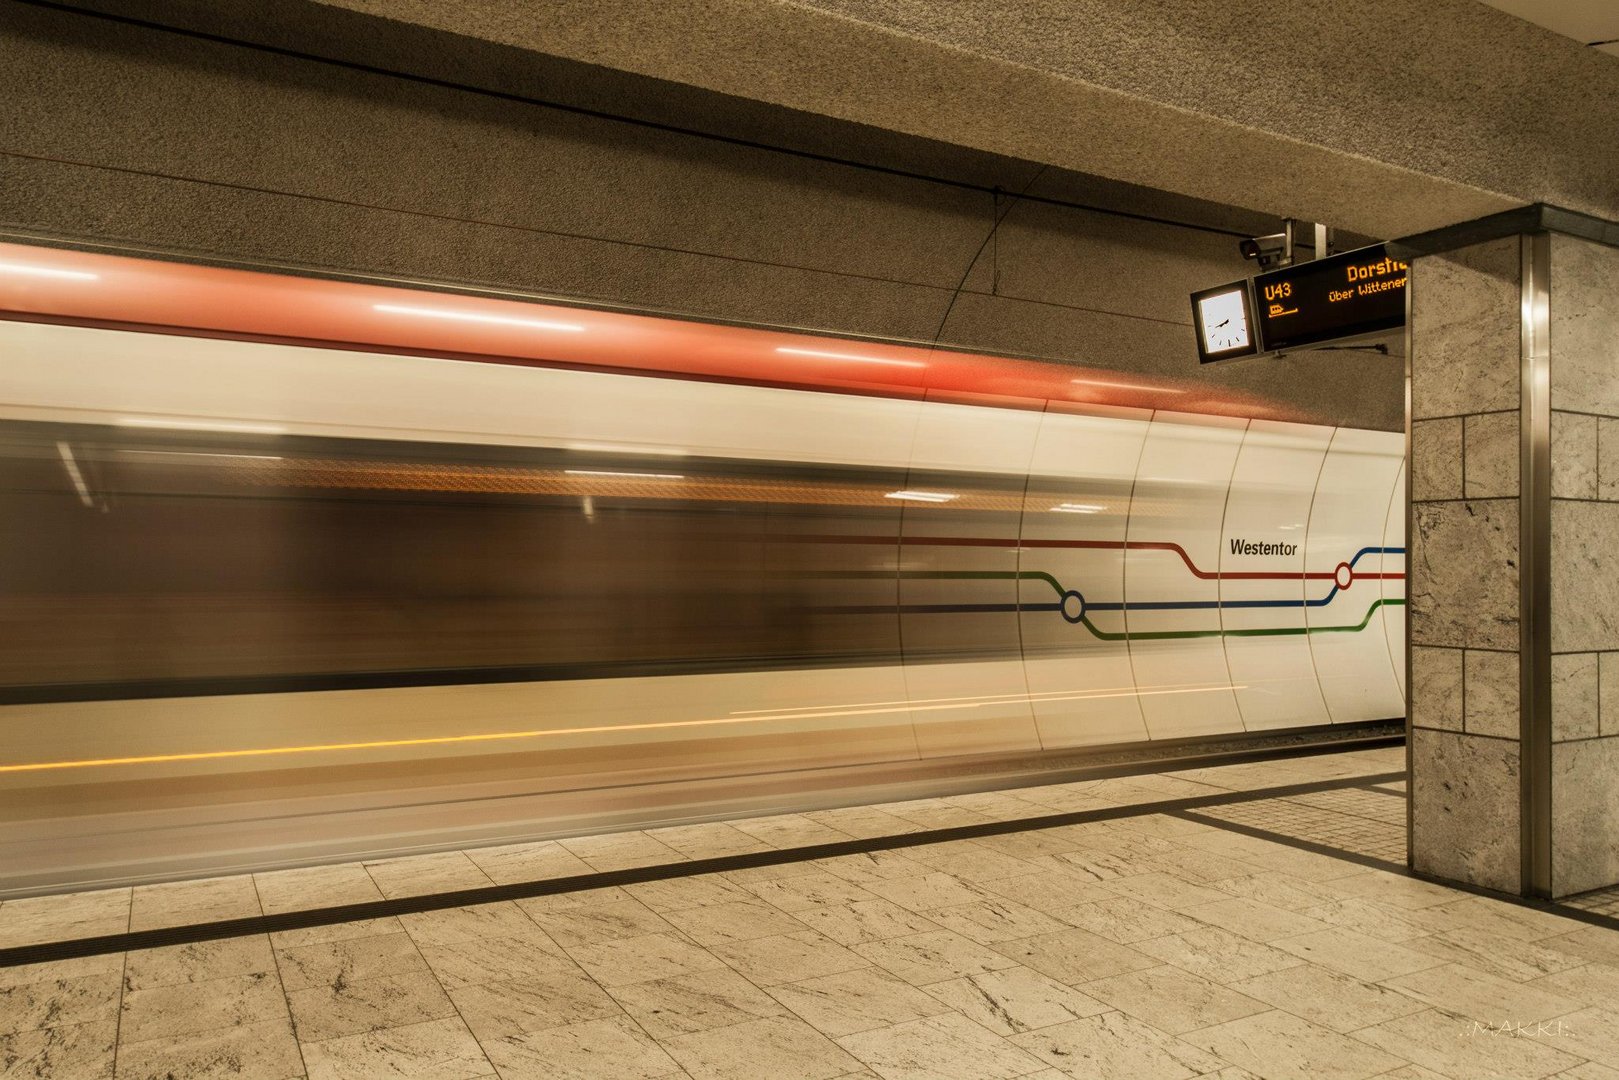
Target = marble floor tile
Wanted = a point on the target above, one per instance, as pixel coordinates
(1588, 943)
(192, 1007)
(931, 890)
(1075, 956)
(1199, 867)
(1034, 844)
(968, 860)
(1460, 1049)
(939, 1048)
(534, 1003)
(595, 923)
(1396, 890)
(420, 875)
(1589, 984)
(78, 1051)
(1255, 919)
(350, 960)
(622, 851)
(1277, 889)
(1050, 891)
(862, 822)
(782, 1048)
(1513, 921)
(870, 866)
(315, 887)
(109, 965)
(718, 923)
(996, 920)
(808, 891)
(933, 956)
(785, 957)
(1480, 996)
(1367, 917)
(1126, 921)
(867, 920)
(860, 1000)
(1015, 1000)
(1217, 955)
(1099, 866)
(1356, 954)
(1165, 891)
(434, 1050)
(700, 1001)
(181, 903)
(642, 959)
(452, 925)
(319, 935)
(607, 894)
(541, 861)
(1592, 1033)
(1329, 998)
(790, 831)
(33, 1007)
(611, 1047)
(1001, 805)
(1278, 1044)
(265, 1050)
(1113, 1046)
(503, 959)
(199, 961)
(329, 1012)
(712, 840)
(1173, 1000)
(1508, 958)
(37, 919)
(679, 894)
(939, 813)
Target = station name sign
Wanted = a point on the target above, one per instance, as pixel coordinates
(1358, 292)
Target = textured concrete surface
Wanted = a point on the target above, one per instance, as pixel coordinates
(1585, 815)
(1464, 799)
(1464, 314)
(156, 138)
(1385, 118)
(1464, 574)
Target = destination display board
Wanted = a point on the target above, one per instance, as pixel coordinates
(1358, 292)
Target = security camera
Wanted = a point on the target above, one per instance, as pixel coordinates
(1269, 251)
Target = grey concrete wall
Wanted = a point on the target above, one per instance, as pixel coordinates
(138, 135)
(1463, 565)
(1384, 116)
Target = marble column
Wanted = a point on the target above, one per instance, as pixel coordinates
(1514, 556)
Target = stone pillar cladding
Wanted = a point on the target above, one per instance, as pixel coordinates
(1464, 562)
(1584, 324)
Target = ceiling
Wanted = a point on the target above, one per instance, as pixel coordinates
(1586, 21)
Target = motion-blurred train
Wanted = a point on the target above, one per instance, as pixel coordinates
(298, 568)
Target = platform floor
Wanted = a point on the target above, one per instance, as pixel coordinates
(1189, 934)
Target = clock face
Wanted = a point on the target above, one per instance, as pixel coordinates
(1223, 319)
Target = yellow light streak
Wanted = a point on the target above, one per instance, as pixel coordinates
(499, 736)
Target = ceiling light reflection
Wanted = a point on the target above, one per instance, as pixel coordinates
(626, 475)
(851, 356)
(47, 271)
(922, 496)
(467, 316)
(1109, 384)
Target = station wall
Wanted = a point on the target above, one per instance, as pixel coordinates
(145, 136)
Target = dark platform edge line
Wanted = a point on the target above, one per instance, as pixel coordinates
(376, 909)
(1550, 907)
